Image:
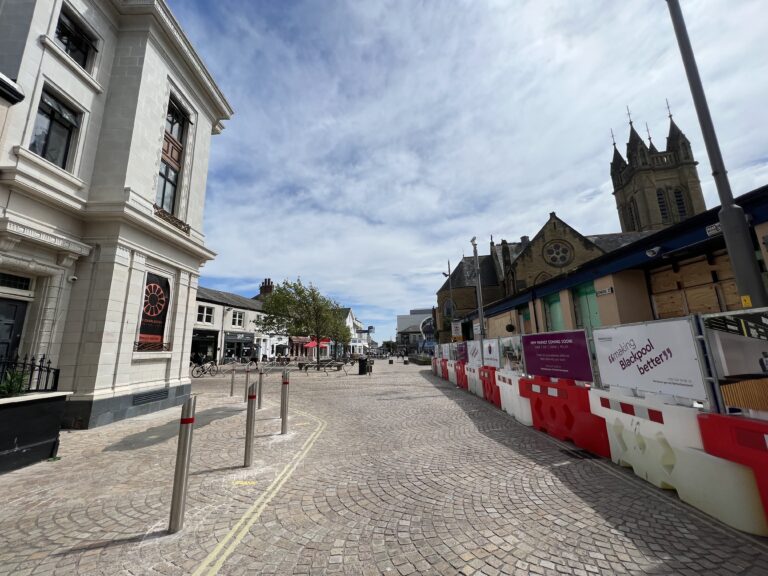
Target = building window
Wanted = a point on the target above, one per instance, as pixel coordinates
(55, 129)
(680, 204)
(238, 318)
(170, 163)
(74, 40)
(634, 222)
(661, 198)
(15, 282)
(205, 314)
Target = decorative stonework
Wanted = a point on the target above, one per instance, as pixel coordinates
(558, 253)
(171, 219)
(26, 232)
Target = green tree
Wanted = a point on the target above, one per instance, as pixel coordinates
(297, 309)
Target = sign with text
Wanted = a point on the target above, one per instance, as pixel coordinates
(491, 353)
(445, 351)
(654, 357)
(456, 328)
(512, 353)
(157, 296)
(473, 353)
(558, 355)
(461, 351)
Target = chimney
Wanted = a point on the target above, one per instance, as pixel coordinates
(524, 240)
(266, 288)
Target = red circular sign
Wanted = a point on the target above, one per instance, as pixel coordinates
(154, 300)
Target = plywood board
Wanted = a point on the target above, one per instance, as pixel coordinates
(730, 295)
(702, 299)
(722, 265)
(669, 304)
(695, 274)
(663, 280)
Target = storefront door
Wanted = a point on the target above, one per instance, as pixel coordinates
(12, 313)
(554, 313)
(585, 304)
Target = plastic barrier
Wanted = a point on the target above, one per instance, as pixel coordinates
(461, 375)
(443, 368)
(561, 409)
(662, 444)
(473, 380)
(511, 401)
(434, 365)
(452, 371)
(741, 440)
(488, 381)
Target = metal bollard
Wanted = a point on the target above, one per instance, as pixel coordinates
(181, 476)
(261, 387)
(247, 380)
(232, 383)
(284, 403)
(250, 422)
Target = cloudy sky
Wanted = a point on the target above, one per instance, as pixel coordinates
(373, 138)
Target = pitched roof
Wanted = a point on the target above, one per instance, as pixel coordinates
(613, 241)
(228, 299)
(463, 274)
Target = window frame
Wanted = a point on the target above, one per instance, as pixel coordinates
(238, 314)
(56, 110)
(172, 143)
(661, 200)
(206, 312)
(80, 32)
(679, 196)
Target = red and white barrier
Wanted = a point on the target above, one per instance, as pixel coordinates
(662, 444)
(435, 365)
(473, 380)
(452, 371)
(511, 401)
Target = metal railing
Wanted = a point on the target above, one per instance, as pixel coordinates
(152, 347)
(36, 375)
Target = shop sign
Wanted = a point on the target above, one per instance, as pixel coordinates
(157, 297)
(558, 355)
(238, 337)
(658, 357)
(456, 328)
(604, 291)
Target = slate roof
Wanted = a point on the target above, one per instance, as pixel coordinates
(610, 242)
(228, 299)
(462, 275)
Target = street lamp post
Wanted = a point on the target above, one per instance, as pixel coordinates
(479, 287)
(738, 238)
(450, 295)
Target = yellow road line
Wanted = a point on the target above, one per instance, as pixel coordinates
(247, 520)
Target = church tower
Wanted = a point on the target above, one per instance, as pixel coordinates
(656, 189)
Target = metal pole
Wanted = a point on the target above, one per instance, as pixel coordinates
(247, 382)
(232, 382)
(736, 232)
(261, 387)
(284, 404)
(181, 475)
(479, 287)
(250, 422)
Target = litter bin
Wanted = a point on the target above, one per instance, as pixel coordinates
(362, 365)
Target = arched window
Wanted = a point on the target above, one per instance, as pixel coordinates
(633, 221)
(448, 309)
(661, 198)
(682, 211)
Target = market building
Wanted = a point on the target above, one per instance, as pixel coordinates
(103, 170)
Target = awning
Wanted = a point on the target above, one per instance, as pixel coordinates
(313, 344)
(299, 339)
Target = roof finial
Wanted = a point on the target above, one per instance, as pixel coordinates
(629, 115)
(650, 141)
(668, 109)
(613, 138)
(491, 238)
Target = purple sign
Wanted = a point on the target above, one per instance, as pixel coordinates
(461, 352)
(558, 354)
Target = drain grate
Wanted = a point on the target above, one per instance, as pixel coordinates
(147, 397)
(579, 454)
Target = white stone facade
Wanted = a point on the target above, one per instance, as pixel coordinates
(87, 233)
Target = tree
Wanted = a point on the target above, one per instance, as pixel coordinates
(296, 309)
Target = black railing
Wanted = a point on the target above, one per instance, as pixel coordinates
(31, 375)
(151, 346)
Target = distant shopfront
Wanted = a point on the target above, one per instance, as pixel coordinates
(205, 343)
(239, 345)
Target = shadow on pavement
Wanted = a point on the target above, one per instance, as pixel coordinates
(656, 528)
(138, 539)
(169, 430)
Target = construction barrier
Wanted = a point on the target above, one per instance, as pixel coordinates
(741, 440)
(561, 409)
(452, 371)
(461, 375)
(488, 381)
(662, 444)
(434, 366)
(511, 401)
(473, 380)
(444, 368)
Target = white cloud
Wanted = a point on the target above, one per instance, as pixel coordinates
(373, 139)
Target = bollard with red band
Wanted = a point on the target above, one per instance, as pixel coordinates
(284, 403)
(247, 382)
(261, 388)
(561, 409)
(250, 422)
(181, 475)
(232, 382)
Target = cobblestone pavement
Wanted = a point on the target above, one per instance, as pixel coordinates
(396, 473)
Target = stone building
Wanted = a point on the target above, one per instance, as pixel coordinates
(103, 172)
(656, 189)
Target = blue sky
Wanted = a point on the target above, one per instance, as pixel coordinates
(372, 139)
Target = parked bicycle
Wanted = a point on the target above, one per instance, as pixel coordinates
(209, 368)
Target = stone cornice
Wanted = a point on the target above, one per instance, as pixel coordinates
(159, 9)
(13, 230)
